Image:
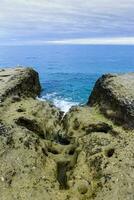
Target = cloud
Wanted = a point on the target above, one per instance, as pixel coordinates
(34, 20)
(96, 41)
(78, 41)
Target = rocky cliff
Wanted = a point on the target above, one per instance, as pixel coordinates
(114, 94)
(86, 154)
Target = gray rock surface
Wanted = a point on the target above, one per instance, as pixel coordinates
(114, 94)
(19, 82)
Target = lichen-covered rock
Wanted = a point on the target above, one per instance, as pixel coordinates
(114, 94)
(19, 82)
(81, 156)
(104, 146)
(105, 158)
(28, 128)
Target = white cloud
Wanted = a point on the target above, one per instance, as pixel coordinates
(51, 19)
(78, 41)
(96, 41)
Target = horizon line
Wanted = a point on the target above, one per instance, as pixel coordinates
(76, 41)
(95, 41)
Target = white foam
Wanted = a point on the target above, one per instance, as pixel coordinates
(63, 104)
(49, 96)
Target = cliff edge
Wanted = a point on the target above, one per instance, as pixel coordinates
(114, 94)
(19, 82)
(85, 154)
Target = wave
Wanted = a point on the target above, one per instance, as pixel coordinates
(64, 104)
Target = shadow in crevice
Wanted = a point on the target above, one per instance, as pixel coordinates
(31, 125)
(61, 174)
(63, 140)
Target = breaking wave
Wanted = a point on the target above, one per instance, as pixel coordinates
(64, 104)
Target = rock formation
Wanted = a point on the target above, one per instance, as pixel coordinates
(114, 94)
(86, 154)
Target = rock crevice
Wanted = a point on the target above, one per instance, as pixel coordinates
(87, 154)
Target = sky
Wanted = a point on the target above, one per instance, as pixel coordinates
(66, 21)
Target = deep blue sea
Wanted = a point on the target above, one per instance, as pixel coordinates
(68, 72)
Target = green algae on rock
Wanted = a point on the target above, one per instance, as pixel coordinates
(114, 94)
(18, 82)
(86, 154)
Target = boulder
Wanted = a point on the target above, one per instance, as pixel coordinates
(114, 94)
(19, 82)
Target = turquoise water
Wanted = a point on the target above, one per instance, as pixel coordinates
(68, 73)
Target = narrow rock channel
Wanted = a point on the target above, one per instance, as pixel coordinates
(85, 154)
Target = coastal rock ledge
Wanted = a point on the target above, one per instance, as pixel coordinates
(88, 153)
(114, 94)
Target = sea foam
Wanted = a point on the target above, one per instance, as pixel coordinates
(64, 104)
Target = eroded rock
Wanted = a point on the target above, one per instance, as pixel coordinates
(19, 82)
(114, 94)
(82, 155)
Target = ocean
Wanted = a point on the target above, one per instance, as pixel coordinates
(69, 72)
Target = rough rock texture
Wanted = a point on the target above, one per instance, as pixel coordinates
(115, 96)
(105, 160)
(80, 156)
(19, 82)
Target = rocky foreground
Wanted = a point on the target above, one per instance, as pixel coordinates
(86, 154)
